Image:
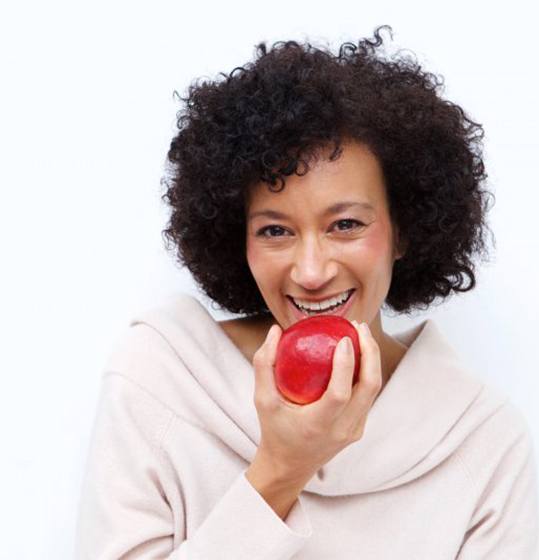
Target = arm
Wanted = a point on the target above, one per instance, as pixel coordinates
(125, 506)
(279, 493)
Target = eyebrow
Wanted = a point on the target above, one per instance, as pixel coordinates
(333, 209)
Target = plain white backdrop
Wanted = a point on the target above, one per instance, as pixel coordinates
(86, 116)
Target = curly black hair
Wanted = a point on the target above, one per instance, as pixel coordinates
(266, 117)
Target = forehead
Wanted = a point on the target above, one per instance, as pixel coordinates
(356, 174)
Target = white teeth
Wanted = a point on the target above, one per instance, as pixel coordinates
(322, 305)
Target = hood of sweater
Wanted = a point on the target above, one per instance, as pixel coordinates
(429, 406)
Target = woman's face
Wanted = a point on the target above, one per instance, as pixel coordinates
(299, 248)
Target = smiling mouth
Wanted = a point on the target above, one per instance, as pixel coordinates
(327, 311)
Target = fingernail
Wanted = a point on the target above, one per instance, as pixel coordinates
(346, 345)
(365, 328)
(271, 333)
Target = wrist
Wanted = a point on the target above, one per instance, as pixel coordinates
(266, 469)
(279, 491)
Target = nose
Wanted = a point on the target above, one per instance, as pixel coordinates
(312, 268)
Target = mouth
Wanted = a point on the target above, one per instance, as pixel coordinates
(341, 310)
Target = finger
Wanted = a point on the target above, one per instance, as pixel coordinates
(370, 375)
(339, 389)
(264, 362)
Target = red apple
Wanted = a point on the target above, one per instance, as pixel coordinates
(304, 359)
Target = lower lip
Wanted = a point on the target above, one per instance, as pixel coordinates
(339, 311)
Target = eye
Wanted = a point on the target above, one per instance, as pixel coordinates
(349, 221)
(262, 232)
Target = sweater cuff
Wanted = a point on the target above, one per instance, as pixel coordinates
(242, 525)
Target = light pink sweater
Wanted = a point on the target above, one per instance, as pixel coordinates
(444, 470)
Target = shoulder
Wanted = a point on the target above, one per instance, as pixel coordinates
(501, 420)
(501, 443)
(164, 343)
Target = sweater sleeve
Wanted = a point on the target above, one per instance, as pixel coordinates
(124, 506)
(505, 523)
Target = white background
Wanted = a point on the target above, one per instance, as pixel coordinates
(86, 117)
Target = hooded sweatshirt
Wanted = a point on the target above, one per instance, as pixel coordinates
(445, 468)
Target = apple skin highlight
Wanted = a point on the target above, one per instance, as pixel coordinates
(304, 359)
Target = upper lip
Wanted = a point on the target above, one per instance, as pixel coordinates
(315, 300)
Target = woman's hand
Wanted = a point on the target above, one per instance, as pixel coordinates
(296, 440)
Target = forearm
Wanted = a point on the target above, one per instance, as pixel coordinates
(280, 493)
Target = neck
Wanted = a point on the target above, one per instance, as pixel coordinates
(391, 350)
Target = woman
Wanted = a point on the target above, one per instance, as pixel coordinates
(309, 182)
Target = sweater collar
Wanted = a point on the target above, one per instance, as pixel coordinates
(421, 416)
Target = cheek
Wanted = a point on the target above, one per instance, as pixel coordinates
(376, 245)
(253, 258)
(370, 252)
(258, 259)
